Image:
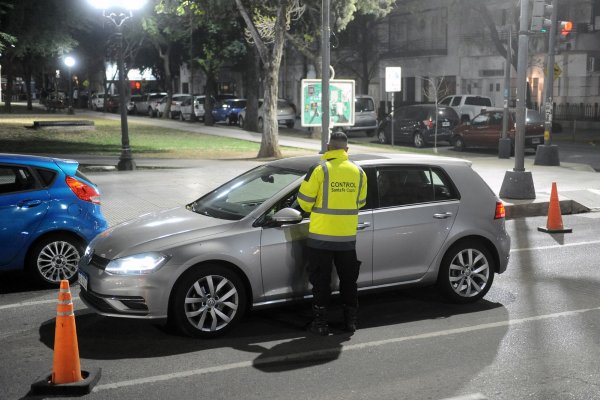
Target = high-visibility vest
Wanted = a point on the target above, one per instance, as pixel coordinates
(333, 191)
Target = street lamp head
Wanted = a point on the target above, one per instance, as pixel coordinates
(69, 61)
(129, 5)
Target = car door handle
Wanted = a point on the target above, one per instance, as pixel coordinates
(29, 203)
(363, 225)
(442, 215)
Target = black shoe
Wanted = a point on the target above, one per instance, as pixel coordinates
(319, 324)
(350, 319)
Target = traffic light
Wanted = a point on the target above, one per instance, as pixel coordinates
(540, 15)
(565, 28)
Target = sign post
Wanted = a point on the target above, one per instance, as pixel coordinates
(393, 83)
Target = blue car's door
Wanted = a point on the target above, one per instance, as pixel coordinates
(23, 205)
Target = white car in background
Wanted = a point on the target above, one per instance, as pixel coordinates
(97, 101)
(286, 114)
(199, 112)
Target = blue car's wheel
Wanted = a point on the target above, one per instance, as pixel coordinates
(55, 258)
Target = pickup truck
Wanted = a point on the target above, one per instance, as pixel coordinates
(467, 106)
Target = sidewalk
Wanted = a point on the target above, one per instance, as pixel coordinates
(578, 185)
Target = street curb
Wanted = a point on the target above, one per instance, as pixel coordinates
(527, 208)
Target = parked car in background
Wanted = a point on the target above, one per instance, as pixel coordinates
(365, 116)
(49, 211)
(417, 124)
(133, 103)
(97, 101)
(199, 110)
(286, 114)
(241, 246)
(467, 106)
(112, 103)
(149, 103)
(485, 130)
(228, 110)
(176, 104)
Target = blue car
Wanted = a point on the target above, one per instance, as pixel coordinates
(228, 110)
(49, 211)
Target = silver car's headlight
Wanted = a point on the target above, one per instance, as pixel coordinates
(138, 264)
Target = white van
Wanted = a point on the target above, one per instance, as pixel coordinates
(467, 106)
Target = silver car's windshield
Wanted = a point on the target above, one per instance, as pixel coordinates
(239, 197)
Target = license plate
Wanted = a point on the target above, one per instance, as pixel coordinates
(446, 123)
(536, 140)
(83, 280)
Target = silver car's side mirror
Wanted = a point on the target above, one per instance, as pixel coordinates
(287, 215)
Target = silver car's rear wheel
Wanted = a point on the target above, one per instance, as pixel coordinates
(55, 258)
(208, 301)
(466, 273)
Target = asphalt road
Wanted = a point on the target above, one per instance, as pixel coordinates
(536, 335)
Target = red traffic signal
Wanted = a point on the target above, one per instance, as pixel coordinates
(565, 28)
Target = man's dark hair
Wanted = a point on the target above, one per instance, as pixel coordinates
(338, 140)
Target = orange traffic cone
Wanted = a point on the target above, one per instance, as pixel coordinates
(66, 367)
(554, 223)
(67, 376)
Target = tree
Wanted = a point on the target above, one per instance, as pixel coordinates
(165, 28)
(267, 34)
(434, 88)
(37, 38)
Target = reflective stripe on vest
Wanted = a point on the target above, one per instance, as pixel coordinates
(306, 198)
(330, 238)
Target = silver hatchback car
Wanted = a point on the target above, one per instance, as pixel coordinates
(427, 221)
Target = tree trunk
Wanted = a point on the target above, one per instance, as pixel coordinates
(252, 85)
(211, 91)
(166, 59)
(9, 87)
(269, 146)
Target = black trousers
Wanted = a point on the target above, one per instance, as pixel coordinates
(320, 262)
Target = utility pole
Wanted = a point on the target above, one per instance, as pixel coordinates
(325, 75)
(518, 183)
(505, 145)
(547, 154)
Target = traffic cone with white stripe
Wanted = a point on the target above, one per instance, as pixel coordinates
(67, 376)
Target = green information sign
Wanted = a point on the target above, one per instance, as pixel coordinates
(341, 102)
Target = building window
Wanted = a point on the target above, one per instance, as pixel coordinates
(491, 87)
(426, 35)
(497, 87)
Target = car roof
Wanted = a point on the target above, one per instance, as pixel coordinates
(69, 166)
(366, 159)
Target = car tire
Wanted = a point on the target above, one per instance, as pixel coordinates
(418, 140)
(466, 272)
(381, 137)
(370, 132)
(94, 107)
(261, 125)
(181, 117)
(150, 112)
(171, 116)
(207, 301)
(290, 125)
(54, 258)
(241, 121)
(459, 144)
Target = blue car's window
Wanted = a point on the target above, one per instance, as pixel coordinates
(46, 175)
(240, 196)
(15, 179)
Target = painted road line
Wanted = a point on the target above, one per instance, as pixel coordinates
(555, 246)
(473, 396)
(294, 357)
(30, 303)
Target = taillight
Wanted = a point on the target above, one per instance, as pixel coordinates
(83, 190)
(500, 210)
(428, 123)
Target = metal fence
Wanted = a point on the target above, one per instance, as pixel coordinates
(576, 111)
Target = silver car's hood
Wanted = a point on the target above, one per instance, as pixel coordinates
(156, 231)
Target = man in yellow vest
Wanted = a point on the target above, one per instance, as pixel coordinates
(333, 191)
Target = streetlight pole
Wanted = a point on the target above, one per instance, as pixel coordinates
(325, 75)
(518, 183)
(126, 162)
(70, 62)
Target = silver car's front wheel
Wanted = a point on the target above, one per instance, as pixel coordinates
(55, 258)
(208, 301)
(466, 273)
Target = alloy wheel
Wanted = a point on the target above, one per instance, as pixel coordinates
(469, 272)
(211, 303)
(57, 261)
